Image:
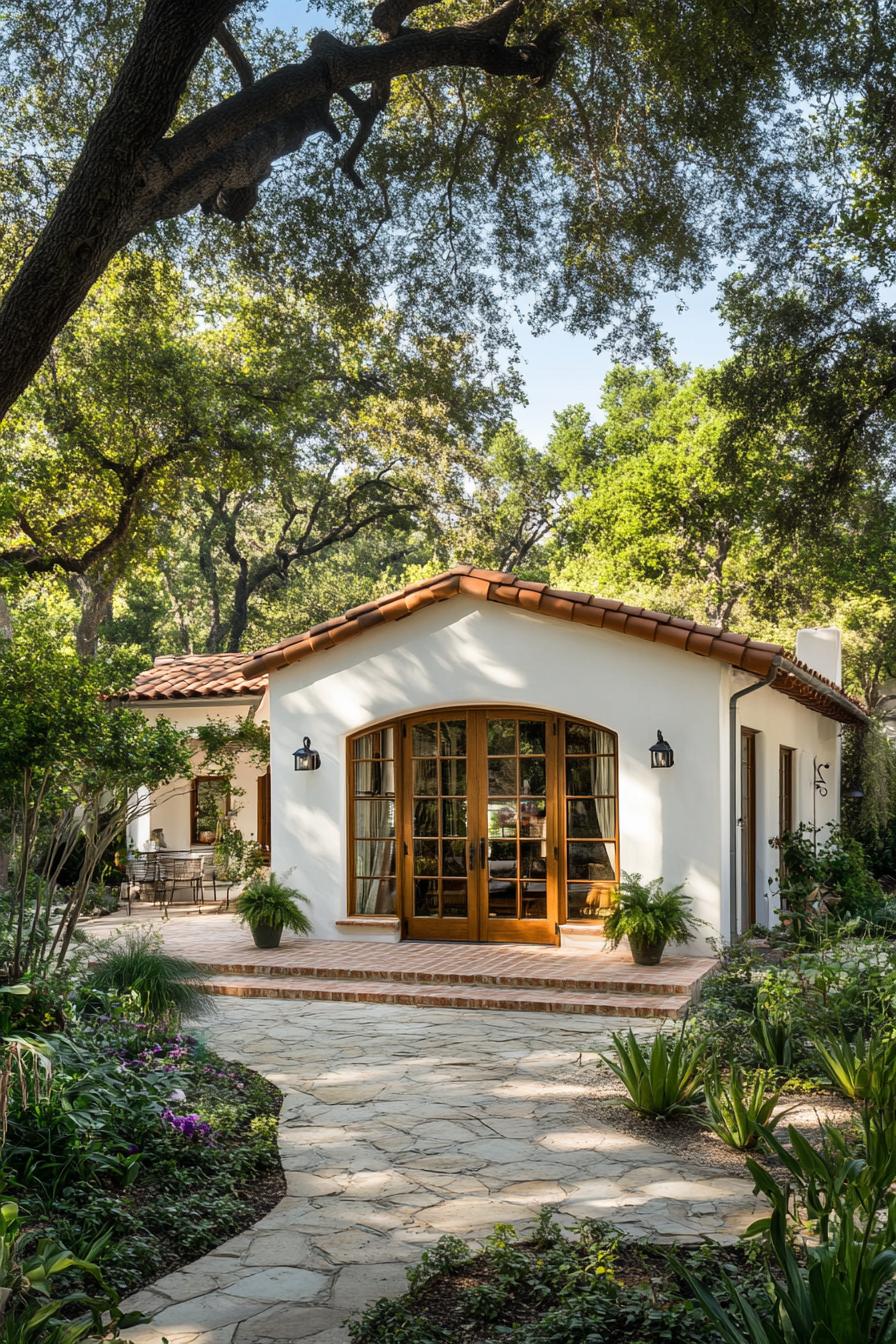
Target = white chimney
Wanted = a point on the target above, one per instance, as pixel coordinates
(820, 649)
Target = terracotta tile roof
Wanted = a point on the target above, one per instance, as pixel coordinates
(197, 675)
(792, 678)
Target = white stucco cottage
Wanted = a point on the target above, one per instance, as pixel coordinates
(485, 767)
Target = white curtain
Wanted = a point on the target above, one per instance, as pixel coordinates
(375, 889)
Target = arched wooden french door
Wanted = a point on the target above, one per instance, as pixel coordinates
(492, 824)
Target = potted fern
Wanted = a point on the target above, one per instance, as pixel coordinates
(650, 917)
(268, 906)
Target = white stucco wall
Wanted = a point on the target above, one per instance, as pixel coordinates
(782, 722)
(465, 652)
(170, 805)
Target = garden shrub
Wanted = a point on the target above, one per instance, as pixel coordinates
(168, 987)
(760, 1015)
(588, 1288)
(37, 1300)
(145, 1141)
(836, 869)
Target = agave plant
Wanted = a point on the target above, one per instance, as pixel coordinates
(864, 1071)
(664, 1080)
(838, 1296)
(738, 1113)
(841, 1290)
(774, 1039)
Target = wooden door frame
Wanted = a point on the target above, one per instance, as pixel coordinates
(749, 831)
(477, 927)
(441, 929)
(542, 931)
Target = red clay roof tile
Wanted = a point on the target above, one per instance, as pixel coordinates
(235, 674)
(197, 676)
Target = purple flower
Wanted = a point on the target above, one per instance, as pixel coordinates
(189, 1126)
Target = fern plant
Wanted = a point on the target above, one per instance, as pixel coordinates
(650, 917)
(267, 901)
(661, 1081)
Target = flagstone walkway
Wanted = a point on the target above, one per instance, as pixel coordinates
(399, 1126)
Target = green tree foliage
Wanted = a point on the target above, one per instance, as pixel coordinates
(71, 762)
(213, 443)
(586, 156)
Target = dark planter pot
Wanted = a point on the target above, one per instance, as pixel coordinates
(646, 952)
(267, 935)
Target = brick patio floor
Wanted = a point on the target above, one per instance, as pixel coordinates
(462, 975)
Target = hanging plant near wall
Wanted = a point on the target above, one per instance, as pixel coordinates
(223, 744)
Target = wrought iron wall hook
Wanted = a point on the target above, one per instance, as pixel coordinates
(819, 781)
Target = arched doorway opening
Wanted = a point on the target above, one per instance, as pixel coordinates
(491, 824)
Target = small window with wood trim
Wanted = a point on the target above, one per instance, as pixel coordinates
(209, 805)
(372, 839)
(785, 790)
(264, 810)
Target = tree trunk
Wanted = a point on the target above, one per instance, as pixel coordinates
(95, 595)
(131, 174)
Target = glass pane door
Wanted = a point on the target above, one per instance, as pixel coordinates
(439, 864)
(518, 788)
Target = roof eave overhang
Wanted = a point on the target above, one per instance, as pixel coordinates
(841, 707)
(199, 701)
(750, 656)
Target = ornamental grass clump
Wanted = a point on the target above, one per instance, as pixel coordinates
(168, 988)
(662, 1081)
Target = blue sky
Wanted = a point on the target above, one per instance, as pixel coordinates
(560, 368)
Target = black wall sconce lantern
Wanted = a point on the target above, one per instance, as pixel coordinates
(661, 754)
(305, 757)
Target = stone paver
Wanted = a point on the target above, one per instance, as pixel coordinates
(398, 1127)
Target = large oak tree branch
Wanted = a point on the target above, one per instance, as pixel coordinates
(130, 173)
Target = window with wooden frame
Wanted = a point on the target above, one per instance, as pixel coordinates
(209, 804)
(373, 882)
(786, 757)
(263, 810)
(591, 818)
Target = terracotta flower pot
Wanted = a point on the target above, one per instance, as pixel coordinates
(646, 951)
(267, 935)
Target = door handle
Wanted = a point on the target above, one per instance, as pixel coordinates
(482, 851)
(472, 856)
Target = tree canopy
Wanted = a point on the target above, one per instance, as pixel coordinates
(584, 155)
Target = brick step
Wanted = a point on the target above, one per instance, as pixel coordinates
(625, 980)
(454, 995)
